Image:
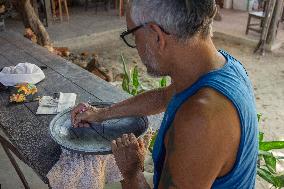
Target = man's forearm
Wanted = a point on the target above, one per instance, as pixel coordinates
(148, 103)
(136, 182)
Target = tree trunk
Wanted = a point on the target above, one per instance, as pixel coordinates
(32, 21)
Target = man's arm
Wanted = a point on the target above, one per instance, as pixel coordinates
(148, 103)
(137, 182)
(202, 143)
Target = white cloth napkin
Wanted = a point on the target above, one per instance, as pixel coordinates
(49, 105)
(80, 171)
(21, 73)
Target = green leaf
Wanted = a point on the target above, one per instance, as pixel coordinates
(271, 145)
(135, 78)
(134, 92)
(259, 117)
(153, 141)
(264, 153)
(163, 82)
(260, 136)
(279, 181)
(125, 69)
(279, 157)
(266, 175)
(141, 91)
(125, 84)
(270, 162)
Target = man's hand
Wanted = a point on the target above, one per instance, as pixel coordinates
(84, 114)
(129, 153)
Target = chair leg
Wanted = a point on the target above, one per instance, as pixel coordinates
(2, 24)
(45, 14)
(86, 4)
(121, 8)
(53, 10)
(248, 24)
(16, 166)
(60, 10)
(108, 5)
(66, 10)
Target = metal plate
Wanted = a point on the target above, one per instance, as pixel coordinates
(96, 139)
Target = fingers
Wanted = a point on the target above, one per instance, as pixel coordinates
(141, 143)
(78, 109)
(84, 124)
(125, 140)
(132, 138)
(119, 143)
(78, 120)
(82, 119)
(114, 146)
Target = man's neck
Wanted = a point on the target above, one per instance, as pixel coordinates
(193, 61)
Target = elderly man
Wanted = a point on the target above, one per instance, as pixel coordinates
(208, 137)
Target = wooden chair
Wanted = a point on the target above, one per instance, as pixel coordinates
(282, 14)
(260, 15)
(59, 2)
(106, 4)
(121, 6)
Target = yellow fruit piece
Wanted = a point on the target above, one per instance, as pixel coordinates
(17, 98)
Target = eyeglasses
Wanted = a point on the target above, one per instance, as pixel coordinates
(129, 38)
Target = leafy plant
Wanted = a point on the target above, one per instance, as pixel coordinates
(131, 83)
(163, 82)
(151, 147)
(266, 167)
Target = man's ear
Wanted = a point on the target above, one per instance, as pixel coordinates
(160, 36)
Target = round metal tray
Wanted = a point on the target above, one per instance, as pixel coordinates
(97, 138)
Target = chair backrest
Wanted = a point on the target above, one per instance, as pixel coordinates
(265, 5)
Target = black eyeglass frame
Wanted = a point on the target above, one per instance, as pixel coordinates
(128, 32)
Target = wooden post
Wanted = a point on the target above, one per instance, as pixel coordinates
(35, 5)
(121, 8)
(48, 10)
(267, 23)
(32, 21)
(276, 17)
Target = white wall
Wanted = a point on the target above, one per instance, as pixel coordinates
(238, 4)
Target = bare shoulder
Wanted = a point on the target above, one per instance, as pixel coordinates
(208, 108)
(203, 141)
(208, 114)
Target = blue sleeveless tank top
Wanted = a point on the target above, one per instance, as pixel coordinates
(232, 81)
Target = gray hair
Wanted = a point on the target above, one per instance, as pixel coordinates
(181, 18)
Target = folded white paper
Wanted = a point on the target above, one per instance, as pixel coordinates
(66, 100)
(49, 105)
